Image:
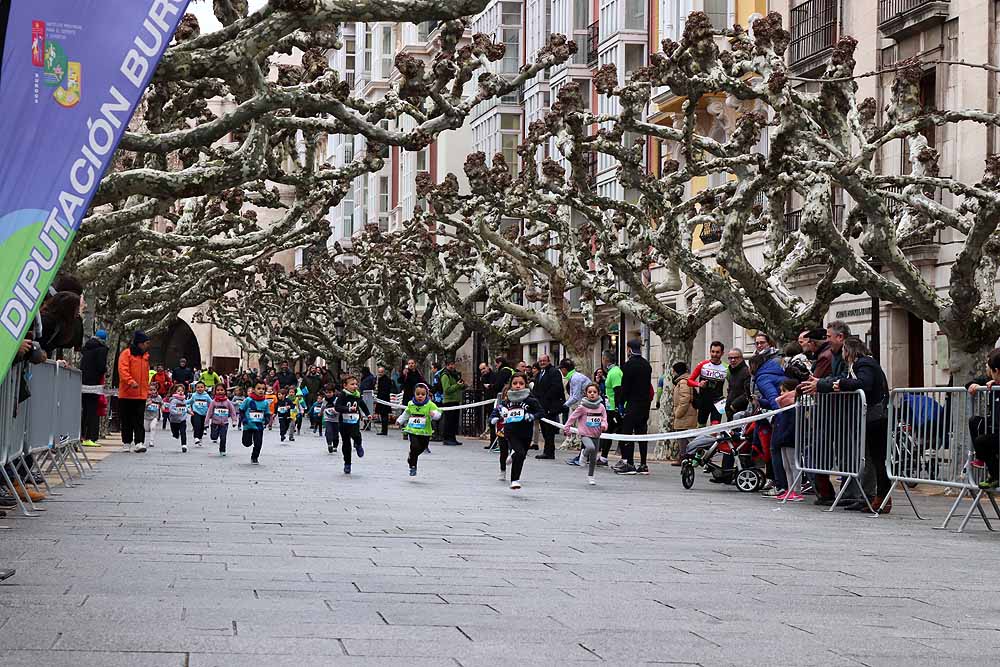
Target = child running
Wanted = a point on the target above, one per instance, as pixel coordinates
(591, 420)
(271, 396)
(199, 412)
(221, 412)
(416, 419)
(316, 417)
(518, 410)
(285, 406)
(179, 407)
(153, 406)
(350, 406)
(298, 410)
(238, 398)
(256, 410)
(331, 420)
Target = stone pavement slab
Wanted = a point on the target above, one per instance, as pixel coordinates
(196, 560)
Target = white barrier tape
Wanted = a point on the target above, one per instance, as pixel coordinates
(97, 389)
(464, 406)
(677, 435)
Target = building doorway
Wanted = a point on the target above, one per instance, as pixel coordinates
(915, 350)
(177, 341)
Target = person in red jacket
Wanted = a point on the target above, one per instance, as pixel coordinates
(133, 390)
(708, 379)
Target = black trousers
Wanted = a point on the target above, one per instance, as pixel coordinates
(635, 423)
(549, 434)
(418, 445)
(198, 426)
(613, 423)
(254, 438)
(349, 434)
(519, 449)
(180, 430)
(986, 446)
(133, 425)
(90, 423)
(283, 425)
(449, 423)
(708, 413)
(876, 435)
(383, 416)
(219, 432)
(332, 432)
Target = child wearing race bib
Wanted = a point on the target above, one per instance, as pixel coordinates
(316, 416)
(285, 419)
(271, 397)
(199, 411)
(238, 397)
(256, 411)
(331, 420)
(154, 404)
(417, 420)
(221, 412)
(350, 406)
(591, 420)
(518, 410)
(178, 408)
(298, 410)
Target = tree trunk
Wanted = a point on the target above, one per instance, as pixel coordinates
(966, 360)
(673, 350)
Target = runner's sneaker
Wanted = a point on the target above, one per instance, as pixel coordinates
(601, 461)
(360, 450)
(591, 480)
(126, 447)
(502, 476)
(184, 449)
(773, 492)
(198, 442)
(347, 468)
(515, 486)
(620, 467)
(642, 470)
(793, 497)
(222, 453)
(331, 449)
(575, 461)
(413, 471)
(139, 448)
(254, 462)
(628, 469)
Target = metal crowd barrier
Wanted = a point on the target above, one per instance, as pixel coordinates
(930, 442)
(830, 438)
(41, 431)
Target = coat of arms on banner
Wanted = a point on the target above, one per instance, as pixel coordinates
(58, 71)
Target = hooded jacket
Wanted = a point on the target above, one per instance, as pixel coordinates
(94, 361)
(767, 382)
(133, 368)
(685, 413)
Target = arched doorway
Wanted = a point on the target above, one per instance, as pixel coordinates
(177, 341)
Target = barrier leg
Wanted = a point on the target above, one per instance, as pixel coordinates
(45, 482)
(843, 489)
(77, 446)
(50, 457)
(974, 507)
(10, 484)
(24, 488)
(59, 457)
(909, 497)
(954, 508)
(71, 452)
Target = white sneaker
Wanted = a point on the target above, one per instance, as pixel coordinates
(591, 480)
(184, 449)
(515, 485)
(502, 476)
(198, 442)
(139, 448)
(126, 448)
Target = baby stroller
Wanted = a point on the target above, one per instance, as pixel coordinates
(736, 446)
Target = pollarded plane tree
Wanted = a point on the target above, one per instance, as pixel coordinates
(225, 167)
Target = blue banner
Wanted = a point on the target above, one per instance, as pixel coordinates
(71, 74)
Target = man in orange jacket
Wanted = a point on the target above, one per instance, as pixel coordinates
(133, 390)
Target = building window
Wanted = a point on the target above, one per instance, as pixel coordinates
(635, 57)
(718, 13)
(386, 58)
(508, 146)
(368, 49)
(422, 160)
(635, 14)
(584, 92)
(673, 15)
(512, 54)
(383, 203)
(510, 13)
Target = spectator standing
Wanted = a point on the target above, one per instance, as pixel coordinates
(367, 381)
(93, 368)
(549, 392)
(503, 373)
(133, 389)
(285, 377)
(767, 375)
(576, 384)
(636, 398)
(409, 380)
(684, 413)
(182, 374)
(383, 392)
(738, 390)
(452, 387)
(708, 380)
(612, 383)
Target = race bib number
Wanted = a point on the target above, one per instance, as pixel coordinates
(256, 415)
(178, 409)
(349, 418)
(222, 413)
(514, 415)
(201, 404)
(152, 408)
(720, 407)
(330, 412)
(417, 422)
(317, 410)
(593, 421)
(283, 410)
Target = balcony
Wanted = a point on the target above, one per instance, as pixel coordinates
(815, 28)
(590, 163)
(350, 79)
(593, 40)
(711, 232)
(793, 219)
(898, 19)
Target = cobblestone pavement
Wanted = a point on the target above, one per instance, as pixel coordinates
(194, 560)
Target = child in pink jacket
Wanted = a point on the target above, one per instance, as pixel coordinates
(591, 420)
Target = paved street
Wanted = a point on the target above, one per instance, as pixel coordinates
(192, 560)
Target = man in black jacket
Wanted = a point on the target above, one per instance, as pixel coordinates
(93, 367)
(738, 392)
(550, 393)
(286, 377)
(182, 374)
(383, 391)
(636, 395)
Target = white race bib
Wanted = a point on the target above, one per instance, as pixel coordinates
(283, 410)
(514, 415)
(222, 413)
(593, 421)
(720, 407)
(178, 409)
(349, 418)
(330, 412)
(417, 422)
(256, 416)
(201, 404)
(152, 407)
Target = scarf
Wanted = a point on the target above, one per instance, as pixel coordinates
(590, 405)
(517, 394)
(255, 396)
(180, 397)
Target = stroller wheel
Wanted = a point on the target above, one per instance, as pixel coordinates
(687, 474)
(749, 480)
